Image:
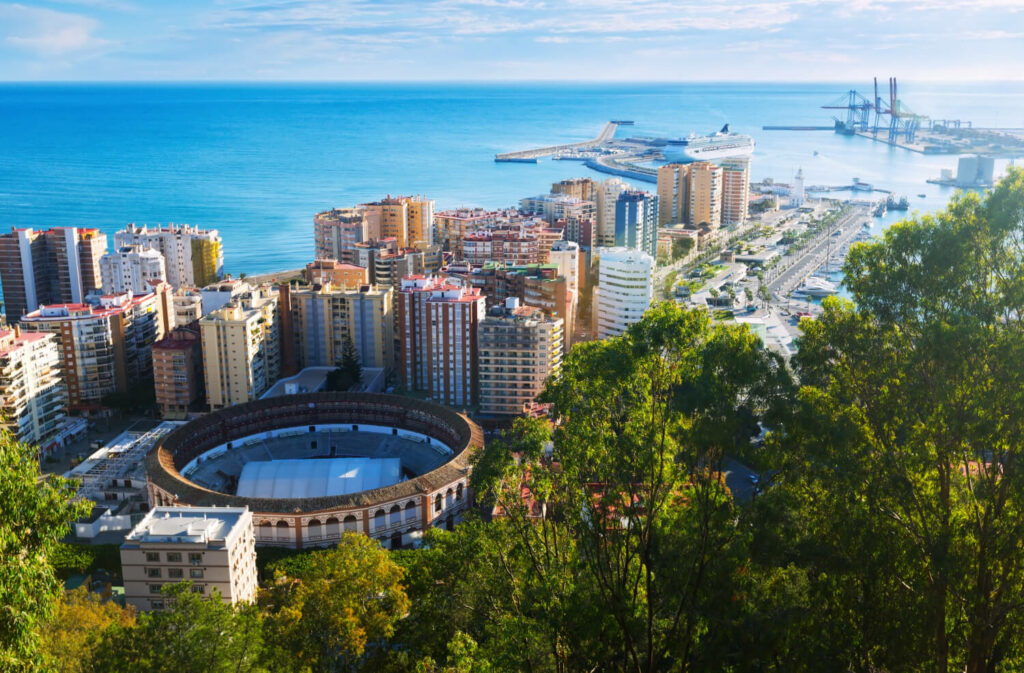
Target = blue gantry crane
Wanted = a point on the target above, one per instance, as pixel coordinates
(901, 122)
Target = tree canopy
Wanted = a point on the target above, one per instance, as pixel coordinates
(34, 514)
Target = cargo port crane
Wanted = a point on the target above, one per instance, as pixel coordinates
(901, 122)
(858, 112)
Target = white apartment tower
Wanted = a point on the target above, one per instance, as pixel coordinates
(624, 289)
(130, 269)
(211, 547)
(193, 257)
(32, 393)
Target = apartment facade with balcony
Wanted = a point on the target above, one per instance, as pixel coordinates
(32, 391)
(519, 348)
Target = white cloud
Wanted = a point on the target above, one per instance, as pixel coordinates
(47, 31)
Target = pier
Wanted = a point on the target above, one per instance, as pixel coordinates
(531, 156)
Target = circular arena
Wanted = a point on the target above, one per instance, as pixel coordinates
(313, 466)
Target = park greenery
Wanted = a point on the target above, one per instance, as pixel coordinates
(884, 533)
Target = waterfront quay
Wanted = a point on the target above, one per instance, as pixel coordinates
(531, 155)
(605, 153)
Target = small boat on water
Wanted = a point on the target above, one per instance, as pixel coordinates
(922, 196)
(814, 286)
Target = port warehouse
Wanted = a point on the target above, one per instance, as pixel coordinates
(198, 465)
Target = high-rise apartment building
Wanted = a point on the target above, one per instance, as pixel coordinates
(61, 265)
(32, 393)
(193, 257)
(178, 371)
(554, 207)
(540, 285)
(322, 317)
(584, 189)
(218, 295)
(436, 327)
(705, 194)
(338, 274)
(519, 347)
(571, 263)
(673, 194)
(624, 290)
(408, 219)
(241, 349)
(131, 268)
(187, 305)
(337, 230)
(103, 348)
(607, 197)
(511, 246)
(735, 190)
(450, 226)
(636, 221)
(390, 268)
(211, 547)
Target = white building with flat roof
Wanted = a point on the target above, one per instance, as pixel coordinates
(624, 289)
(212, 547)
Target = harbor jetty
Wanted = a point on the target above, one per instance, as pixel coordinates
(531, 156)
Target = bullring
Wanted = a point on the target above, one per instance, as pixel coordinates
(202, 464)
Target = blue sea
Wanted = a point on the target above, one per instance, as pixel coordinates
(258, 161)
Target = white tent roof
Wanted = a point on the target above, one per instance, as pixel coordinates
(316, 478)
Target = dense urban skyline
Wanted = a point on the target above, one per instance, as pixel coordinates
(593, 40)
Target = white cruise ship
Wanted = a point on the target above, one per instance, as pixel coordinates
(719, 145)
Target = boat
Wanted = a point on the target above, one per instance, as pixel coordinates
(816, 287)
(859, 186)
(719, 145)
(922, 196)
(892, 203)
(880, 210)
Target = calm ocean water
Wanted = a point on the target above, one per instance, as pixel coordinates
(257, 161)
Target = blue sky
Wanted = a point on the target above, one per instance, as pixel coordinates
(658, 40)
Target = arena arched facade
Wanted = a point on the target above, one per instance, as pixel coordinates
(202, 463)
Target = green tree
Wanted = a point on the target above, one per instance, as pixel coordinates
(34, 514)
(343, 601)
(644, 423)
(749, 295)
(764, 294)
(681, 247)
(192, 633)
(905, 454)
(350, 360)
(81, 619)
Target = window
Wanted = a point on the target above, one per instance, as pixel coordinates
(154, 588)
(152, 572)
(152, 557)
(173, 557)
(195, 572)
(156, 605)
(198, 589)
(175, 573)
(195, 559)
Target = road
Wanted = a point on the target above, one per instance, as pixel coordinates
(797, 267)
